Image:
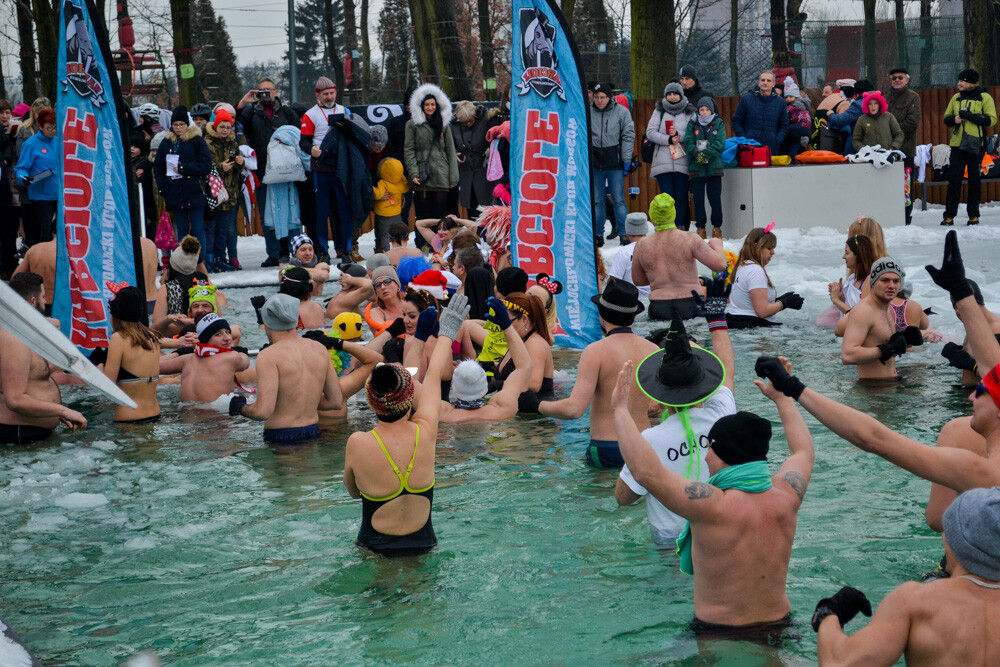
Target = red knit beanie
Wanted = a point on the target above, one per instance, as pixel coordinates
(221, 116)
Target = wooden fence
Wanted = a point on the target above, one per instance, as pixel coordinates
(932, 130)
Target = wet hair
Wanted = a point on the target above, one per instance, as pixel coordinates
(446, 224)
(136, 333)
(869, 227)
(753, 246)
(27, 284)
(536, 311)
(864, 255)
(296, 281)
(399, 232)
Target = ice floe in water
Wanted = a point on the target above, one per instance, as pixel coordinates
(81, 500)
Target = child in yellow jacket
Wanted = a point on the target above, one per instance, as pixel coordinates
(389, 193)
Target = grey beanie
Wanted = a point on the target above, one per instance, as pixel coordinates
(636, 224)
(673, 87)
(972, 528)
(689, 71)
(885, 265)
(157, 139)
(707, 102)
(280, 312)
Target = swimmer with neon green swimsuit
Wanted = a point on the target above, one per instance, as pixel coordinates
(396, 506)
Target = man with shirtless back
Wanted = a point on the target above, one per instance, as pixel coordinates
(211, 370)
(871, 341)
(598, 370)
(295, 378)
(742, 522)
(30, 406)
(943, 622)
(666, 262)
(150, 269)
(41, 259)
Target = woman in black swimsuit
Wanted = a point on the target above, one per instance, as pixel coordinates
(528, 318)
(391, 467)
(133, 356)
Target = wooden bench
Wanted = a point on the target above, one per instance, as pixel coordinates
(927, 184)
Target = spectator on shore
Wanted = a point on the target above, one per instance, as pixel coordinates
(704, 143)
(429, 152)
(876, 127)
(799, 120)
(666, 128)
(471, 149)
(970, 112)
(904, 104)
(612, 136)
(692, 86)
(847, 119)
(762, 115)
(35, 170)
(261, 113)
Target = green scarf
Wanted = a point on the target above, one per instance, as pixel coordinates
(753, 477)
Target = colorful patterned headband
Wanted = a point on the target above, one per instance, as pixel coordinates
(513, 307)
(551, 284)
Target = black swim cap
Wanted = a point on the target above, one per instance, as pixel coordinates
(741, 438)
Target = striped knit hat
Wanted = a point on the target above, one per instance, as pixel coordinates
(389, 391)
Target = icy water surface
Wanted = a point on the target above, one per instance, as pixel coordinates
(191, 538)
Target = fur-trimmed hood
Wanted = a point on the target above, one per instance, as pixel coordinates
(190, 133)
(877, 96)
(417, 100)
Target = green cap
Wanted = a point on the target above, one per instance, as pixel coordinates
(662, 211)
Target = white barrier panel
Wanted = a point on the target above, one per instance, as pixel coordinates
(816, 195)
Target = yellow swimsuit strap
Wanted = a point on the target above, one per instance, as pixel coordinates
(404, 480)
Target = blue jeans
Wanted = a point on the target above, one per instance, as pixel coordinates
(675, 184)
(615, 182)
(225, 233)
(191, 221)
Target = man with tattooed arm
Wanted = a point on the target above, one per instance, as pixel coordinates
(741, 523)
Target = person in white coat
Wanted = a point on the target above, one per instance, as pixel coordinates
(666, 128)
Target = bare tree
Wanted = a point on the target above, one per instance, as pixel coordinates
(654, 45)
(982, 38)
(26, 37)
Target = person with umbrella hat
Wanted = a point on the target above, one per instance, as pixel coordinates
(738, 541)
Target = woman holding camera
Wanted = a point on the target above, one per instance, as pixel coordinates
(471, 147)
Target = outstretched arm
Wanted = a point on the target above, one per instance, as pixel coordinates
(579, 399)
(881, 642)
(982, 343)
(797, 468)
(692, 500)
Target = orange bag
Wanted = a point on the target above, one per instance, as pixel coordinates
(985, 167)
(819, 157)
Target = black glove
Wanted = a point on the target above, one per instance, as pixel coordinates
(99, 356)
(241, 350)
(958, 357)
(964, 114)
(528, 402)
(181, 351)
(236, 404)
(658, 336)
(258, 302)
(951, 275)
(913, 336)
(397, 328)
(896, 347)
(822, 113)
(263, 347)
(845, 605)
(772, 369)
(426, 324)
(790, 300)
(329, 342)
(713, 304)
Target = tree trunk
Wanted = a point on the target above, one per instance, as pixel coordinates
(794, 19)
(335, 63)
(982, 39)
(366, 54)
(654, 46)
(180, 18)
(47, 26)
(734, 34)
(869, 65)
(926, 43)
(26, 37)
(902, 50)
(779, 41)
(439, 54)
(423, 40)
(486, 47)
(567, 9)
(350, 46)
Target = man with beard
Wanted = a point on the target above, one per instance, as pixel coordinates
(30, 404)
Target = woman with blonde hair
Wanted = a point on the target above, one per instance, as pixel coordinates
(754, 301)
(865, 226)
(30, 126)
(471, 150)
(133, 361)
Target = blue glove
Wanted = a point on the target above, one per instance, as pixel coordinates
(497, 313)
(426, 324)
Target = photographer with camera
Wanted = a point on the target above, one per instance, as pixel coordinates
(261, 113)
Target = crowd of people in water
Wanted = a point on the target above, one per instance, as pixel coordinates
(463, 336)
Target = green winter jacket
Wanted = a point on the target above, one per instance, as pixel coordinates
(977, 110)
(222, 150)
(879, 130)
(421, 145)
(715, 134)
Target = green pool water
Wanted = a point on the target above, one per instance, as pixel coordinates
(193, 539)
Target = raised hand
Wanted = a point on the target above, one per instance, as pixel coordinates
(779, 371)
(426, 323)
(845, 605)
(951, 275)
(453, 316)
(713, 304)
(497, 313)
(623, 388)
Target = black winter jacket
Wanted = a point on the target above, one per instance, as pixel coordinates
(195, 162)
(259, 128)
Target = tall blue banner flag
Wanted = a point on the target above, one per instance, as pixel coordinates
(94, 237)
(551, 216)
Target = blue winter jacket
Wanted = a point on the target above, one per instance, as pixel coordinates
(762, 118)
(37, 155)
(846, 121)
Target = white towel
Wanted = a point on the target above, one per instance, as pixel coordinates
(921, 160)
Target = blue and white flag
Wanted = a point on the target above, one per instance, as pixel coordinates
(552, 230)
(94, 233)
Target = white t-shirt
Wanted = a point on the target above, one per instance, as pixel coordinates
(670, 443)
(749, 276)
(852, 293)
(622, 267)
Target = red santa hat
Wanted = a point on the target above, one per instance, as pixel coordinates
(433, 282)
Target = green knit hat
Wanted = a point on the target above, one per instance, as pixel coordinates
(662, 212)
